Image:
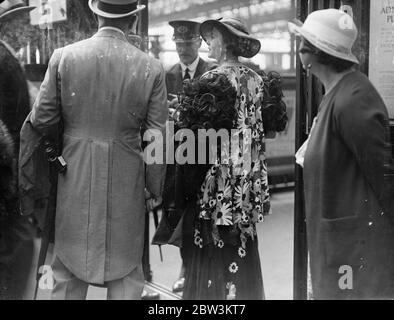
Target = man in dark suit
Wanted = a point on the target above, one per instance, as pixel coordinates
(16, 232)
(188, 41)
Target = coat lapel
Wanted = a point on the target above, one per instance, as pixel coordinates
(201, 68)
(178, 78)
(174, 80)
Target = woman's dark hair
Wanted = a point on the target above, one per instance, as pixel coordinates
(336, 64)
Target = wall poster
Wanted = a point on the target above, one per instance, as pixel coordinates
(381, 51)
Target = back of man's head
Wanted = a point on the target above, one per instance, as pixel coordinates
(125, 23)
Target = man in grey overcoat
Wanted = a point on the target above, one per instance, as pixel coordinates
(106, 92)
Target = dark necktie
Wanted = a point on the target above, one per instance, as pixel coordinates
(187, 74)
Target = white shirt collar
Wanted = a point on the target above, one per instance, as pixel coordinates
(192, 67)
(112, 28)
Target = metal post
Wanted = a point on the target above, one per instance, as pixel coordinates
(145, 256)
(143, 26)
(300, 244)
(292, 41)
(143, 32)
(361, 15)
(309, 93)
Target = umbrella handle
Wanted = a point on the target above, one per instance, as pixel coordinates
(156, 220)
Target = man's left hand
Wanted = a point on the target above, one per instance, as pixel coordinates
(153, 203)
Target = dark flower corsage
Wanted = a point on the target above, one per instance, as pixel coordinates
(207, 103)
(274, 109)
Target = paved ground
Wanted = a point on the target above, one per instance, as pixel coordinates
(275, 247)
(276, 251)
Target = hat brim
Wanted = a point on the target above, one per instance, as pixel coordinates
(299, 31)
(178, 40)
(11, 13)
(207, 26)
(174, 23)
(93, 6)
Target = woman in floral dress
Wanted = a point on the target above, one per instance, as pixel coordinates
(227, 198)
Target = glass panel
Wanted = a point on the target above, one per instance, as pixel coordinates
(267, 21)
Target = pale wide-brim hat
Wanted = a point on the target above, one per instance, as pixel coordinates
(332, 31)
(9, 8)
(114, 9)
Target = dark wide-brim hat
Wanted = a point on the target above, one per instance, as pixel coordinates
(185, 30)
(114, 9)
(246, 45)
(10, 8)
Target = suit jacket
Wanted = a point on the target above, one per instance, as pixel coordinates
(346, 204)
(174, 86)
(37, 179)
(105, 91)
(174, 75)
(14, 94)
(16, 232)
(171, 225)
(8, 194)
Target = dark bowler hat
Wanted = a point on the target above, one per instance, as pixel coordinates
(114, 9)
(185, 30)
(8, 8)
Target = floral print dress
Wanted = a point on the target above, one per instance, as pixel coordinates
(233, 198)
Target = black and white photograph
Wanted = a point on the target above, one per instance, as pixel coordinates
(198, 155)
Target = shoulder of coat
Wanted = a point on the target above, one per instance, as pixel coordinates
(174, 68)
(3, 47)
(149, 60)
(351, 86)
(6, 50)
(6, 144)
(78, 44)
(71, 48)
(3, 53)
(147, 64)
(209, 64)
